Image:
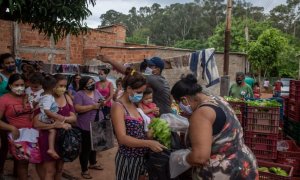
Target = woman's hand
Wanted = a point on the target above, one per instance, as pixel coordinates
(156, 111)
(59, 125)
(15, 133)
(97, 106)
(155, 146)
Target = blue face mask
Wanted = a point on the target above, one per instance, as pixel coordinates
(186, 109)
(136, 97)
(102, 77)
(148, 71)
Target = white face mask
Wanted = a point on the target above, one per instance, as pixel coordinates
(18, 90)
(186, 109)
(148, 71)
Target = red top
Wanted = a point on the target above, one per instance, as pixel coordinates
(278, 86)
(15, 112)
(105, 92)
(147, 107)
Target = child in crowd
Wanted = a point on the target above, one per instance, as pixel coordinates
(119, 91)
(49, 109)
(256, 90)
(35, 89)
(147, 105)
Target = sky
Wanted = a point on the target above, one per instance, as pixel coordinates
(125, 5)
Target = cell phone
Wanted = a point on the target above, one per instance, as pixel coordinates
(101, 100)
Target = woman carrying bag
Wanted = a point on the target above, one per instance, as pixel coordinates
(86, 105)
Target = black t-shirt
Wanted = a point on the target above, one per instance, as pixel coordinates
(161, 92)
(220, 118)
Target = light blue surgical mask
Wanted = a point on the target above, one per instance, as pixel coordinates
(187, 109)
(148, 71)
(137, 97)
(102, 77)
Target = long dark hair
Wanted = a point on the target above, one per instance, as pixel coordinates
(133, 79)
(187, 86)
(13, 78)
(73, 82)
(83, 82)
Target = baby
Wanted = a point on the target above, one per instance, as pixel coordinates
(49, 109)
(147, 105)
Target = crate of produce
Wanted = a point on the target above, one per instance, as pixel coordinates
(239, 106)
(262, 119)
(274, 171)
(295, 90)
(264, 146)
(294, 111)
(289, 153)
(292, 129)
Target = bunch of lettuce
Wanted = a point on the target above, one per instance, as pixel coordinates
(161, 131)
(264, 103)
(233, 99)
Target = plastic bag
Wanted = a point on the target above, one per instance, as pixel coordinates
(68, 144)
(157, 165)
(282, 146)
(177, 162)
(177, 123)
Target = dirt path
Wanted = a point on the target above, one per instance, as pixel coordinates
(106, 158)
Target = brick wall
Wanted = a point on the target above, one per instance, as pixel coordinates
(6, 40)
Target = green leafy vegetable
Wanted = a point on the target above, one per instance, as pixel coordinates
(161, 131)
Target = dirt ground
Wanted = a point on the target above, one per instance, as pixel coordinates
(106, 158)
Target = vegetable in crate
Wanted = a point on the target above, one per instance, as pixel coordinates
(274, 170)
(263, 103)
(232, 99)
(161, 131)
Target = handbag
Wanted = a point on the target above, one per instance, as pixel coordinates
(102, 137)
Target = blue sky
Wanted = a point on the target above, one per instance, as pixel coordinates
(125, 5)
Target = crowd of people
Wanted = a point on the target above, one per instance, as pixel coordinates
(34, 111)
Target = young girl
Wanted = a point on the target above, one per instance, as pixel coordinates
(119, 91)
(35, 89)
(49, 109)
(256, 90)
(147, 105)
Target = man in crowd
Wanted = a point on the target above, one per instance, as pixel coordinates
(240, 89)
(160, 86)
(277, 88)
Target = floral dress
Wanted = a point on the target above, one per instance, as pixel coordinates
(230, 158)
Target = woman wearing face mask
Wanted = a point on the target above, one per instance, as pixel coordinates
(129, 129)
(106, 89)
(215, 136)
(49, 168)
(18, 116)
(86, 105)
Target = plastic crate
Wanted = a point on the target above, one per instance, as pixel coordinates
(262, 119)
(271, 176)
(294, 111)
(264, 146)
(292, 129)
(291, 156)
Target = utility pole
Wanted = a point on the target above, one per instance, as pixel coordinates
(225, 80)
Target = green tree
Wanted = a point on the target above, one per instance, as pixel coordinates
(139, 36)
(192, 44)
(56, 17)
(264, 54)
(238, 36)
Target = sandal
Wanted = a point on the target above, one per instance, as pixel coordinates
(96, 167)
(86, 175)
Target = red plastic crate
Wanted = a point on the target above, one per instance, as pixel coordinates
(295, 91)
(262, 119)
(290, 157)
(239, 108)
(264, 146)
(271, 176)
(294, 111)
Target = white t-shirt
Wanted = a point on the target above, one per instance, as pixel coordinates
(33, 96)
(47, 102)
(266, 83)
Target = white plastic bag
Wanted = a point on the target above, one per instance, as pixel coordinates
(177, 162)
(177, 123)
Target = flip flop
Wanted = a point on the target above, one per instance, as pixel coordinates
(86, 175)
(96, 167)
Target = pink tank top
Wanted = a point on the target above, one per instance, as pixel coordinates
(105, 92)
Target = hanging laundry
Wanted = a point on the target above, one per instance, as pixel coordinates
(205, 60)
